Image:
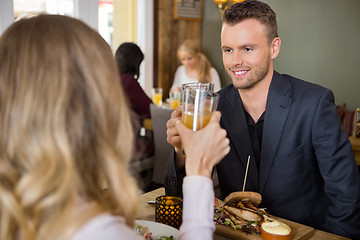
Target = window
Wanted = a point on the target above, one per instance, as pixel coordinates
(34, 7)
(105, 21)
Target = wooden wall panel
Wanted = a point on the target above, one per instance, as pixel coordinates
(171, 33)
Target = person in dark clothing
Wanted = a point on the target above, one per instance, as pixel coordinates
(129, 57)
(301, 158)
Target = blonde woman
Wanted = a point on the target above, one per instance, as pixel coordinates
(66, 139)
(195, 67)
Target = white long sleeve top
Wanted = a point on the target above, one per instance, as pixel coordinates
(198, 213)
(181, 77)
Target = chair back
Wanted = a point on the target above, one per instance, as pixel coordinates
(159, 117)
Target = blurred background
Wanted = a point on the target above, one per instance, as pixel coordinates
(319, 38)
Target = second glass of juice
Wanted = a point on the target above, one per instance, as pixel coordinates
(157, 94)
(175, 98)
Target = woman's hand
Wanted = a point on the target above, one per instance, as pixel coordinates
(204, 148)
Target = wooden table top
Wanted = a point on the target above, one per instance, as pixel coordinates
(301, 232)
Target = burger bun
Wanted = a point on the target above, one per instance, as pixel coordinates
(235, 197)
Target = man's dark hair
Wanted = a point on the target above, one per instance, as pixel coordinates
(252, 9)
(129, 57)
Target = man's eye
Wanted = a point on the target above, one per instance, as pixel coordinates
(227, 50)
(248, 49)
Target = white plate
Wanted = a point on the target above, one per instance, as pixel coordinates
(158, 229)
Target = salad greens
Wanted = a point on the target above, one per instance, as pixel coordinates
(139, 229)
(166, 238)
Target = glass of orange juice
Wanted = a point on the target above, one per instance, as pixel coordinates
(157, 94)
(198, 105)
(175, 98)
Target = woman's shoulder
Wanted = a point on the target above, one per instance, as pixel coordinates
(105, 226)
(212, 69)
(213, 72)
(180, 71)
(127, 77)
(180, 68)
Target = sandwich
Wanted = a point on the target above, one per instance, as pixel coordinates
(240, 211)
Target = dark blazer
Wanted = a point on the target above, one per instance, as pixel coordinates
(307, 170)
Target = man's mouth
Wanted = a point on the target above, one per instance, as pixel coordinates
(240, 73)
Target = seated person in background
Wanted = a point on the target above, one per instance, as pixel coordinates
(301, 158)
(65, 135)
(128, 57)
(195, 67)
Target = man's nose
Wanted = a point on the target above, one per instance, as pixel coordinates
(237, 59)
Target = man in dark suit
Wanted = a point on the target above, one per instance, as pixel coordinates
(301, 160)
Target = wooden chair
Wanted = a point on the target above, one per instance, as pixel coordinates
(347, 119)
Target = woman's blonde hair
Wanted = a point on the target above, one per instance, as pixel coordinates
(65, 130)
(204, 65)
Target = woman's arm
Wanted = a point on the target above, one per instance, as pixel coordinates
(204, 149)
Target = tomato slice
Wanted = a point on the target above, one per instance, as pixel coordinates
(216, 201)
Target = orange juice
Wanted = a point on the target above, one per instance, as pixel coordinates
(203, 119)
(157, 98)
(174, 103)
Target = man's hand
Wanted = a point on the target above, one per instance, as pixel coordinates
(173, 136)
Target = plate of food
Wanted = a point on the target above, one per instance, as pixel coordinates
(239, 210)
(238, 216)
(155, 231)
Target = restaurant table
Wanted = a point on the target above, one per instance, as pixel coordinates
(355, 144)
(302, 232)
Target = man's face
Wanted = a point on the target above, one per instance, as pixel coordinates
(247, 55)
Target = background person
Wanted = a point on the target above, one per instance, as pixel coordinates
(301, 158)
(65, 135)
(129, 57)
(195, 67)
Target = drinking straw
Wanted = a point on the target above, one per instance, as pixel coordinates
(247, 167)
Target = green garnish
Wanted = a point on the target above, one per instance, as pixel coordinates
(166, 238)
(139, 228)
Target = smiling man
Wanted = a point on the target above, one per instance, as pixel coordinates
(301, 158)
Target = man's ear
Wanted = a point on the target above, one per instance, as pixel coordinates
(275, 47)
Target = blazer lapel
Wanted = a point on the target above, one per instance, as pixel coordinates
(277, 109)
(234, 120)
